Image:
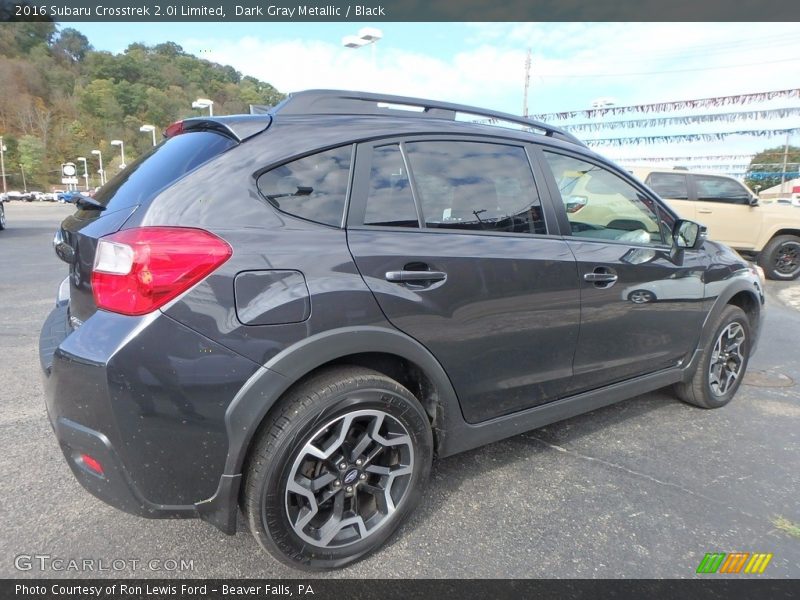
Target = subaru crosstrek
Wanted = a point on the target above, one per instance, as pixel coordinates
(294, 312)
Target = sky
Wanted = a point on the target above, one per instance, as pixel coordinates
(483, 64)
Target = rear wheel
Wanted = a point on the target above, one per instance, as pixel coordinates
(336, 469)
(722, 364)
(780, 258)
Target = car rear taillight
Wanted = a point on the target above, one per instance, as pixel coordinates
(139, 270)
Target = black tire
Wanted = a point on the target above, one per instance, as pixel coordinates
(701, 391)
(642, 296)
(331, 399)
(780, 258)
(2, 217)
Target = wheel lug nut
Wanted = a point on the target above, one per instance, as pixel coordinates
(362, 476)
(359, 462)
(337, 483)
(349, 489)
(342, 466)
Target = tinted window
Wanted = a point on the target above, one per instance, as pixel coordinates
(669, 185)
(312, 188)
(390, 201)
(602, 205)
(719, 189)
(161, 166)
(475, 186)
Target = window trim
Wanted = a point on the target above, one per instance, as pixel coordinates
(360, 190)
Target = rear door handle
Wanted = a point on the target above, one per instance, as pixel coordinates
(415, 276)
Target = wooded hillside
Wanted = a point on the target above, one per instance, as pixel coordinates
(61, 98)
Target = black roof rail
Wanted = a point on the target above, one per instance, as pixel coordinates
(342, 102)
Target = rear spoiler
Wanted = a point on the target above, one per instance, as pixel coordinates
(236, 127)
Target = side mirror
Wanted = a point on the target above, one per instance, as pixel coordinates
(753, 201)
(688, 234)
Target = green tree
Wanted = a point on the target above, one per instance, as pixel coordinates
(766, 167)
(72, 45)
(31, 154)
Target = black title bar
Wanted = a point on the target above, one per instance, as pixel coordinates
(399, 10)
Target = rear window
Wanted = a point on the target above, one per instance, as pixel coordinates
(160, 167)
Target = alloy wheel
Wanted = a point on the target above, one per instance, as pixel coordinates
(787, 259)
(727, 359)
(349, 478)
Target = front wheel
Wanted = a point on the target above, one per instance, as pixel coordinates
(780, 258)
(337, 468)
(2, 217)
(722, 364)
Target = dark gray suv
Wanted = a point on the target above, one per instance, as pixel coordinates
(294, 312)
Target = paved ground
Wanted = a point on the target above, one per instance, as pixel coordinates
(640, 489)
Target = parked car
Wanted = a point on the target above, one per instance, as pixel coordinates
(15, 195)
(296, 311)
(768, 234)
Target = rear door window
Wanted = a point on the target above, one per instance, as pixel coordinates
(476, 186)
(669, 185)
(312, 188)
(390, 202)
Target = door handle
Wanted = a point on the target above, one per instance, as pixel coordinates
(601, 277)
(415, 276)
(704, 211)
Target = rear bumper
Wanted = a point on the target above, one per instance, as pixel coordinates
(146, 398)
(114, 485)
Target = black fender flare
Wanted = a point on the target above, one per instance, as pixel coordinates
(722, 300)
(265, 387)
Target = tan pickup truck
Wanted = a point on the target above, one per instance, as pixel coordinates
(768, 233)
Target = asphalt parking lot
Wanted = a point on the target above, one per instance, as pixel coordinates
(637, 490)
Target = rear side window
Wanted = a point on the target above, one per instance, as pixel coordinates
(475, 186)
(312, 188)
(719, 189)
(390, 202)
(161, 166)
(669, 185)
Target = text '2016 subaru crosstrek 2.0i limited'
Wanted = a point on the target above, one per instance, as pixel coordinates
(294, 312)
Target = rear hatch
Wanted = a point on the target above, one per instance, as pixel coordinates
(137, 184)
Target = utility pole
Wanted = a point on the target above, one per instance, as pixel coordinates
(527, 84)
(785, 158)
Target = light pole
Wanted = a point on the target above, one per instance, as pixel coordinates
(201, 103)
(85, 172)
(367, 36)
(121, 145)
(100, 171)
(24, 185)
(149, 129)
(3, 164)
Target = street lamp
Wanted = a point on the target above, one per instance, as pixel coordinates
(85, 172)
(204, 103)
(100, 171)
(367, 36)
(149, 129)
(3, 164)
(24, 185)
(121, 145)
